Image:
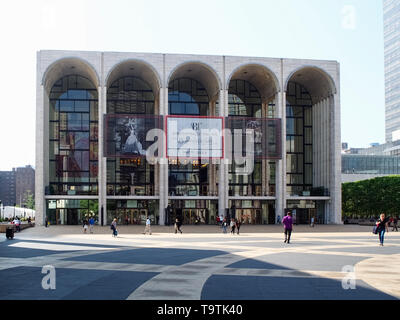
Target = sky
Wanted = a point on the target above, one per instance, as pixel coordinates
(348, 31)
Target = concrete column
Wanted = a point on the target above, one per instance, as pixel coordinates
(223, 185)
(102, 169)
(40, 204)
(336, 166)
(280, 174)
(163, 163)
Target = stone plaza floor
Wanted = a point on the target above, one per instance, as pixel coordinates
(201, 264)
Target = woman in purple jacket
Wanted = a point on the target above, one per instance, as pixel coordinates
(288, 226)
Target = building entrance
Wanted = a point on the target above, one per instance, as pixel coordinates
(193, 211)
(304, 210)
(252, 211)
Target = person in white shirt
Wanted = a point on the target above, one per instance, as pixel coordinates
(147, 228)
(17, 224)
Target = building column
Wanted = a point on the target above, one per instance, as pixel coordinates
(280, 172)
(40, 203)
(223, 184)
(163, 161)
(102, 169)
(336, 162)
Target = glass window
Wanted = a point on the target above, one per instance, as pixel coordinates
(70, 132)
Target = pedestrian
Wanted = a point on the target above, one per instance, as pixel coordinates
(17, 224)
(85, 225)
(178, 224)
(29, 220)
(278, 220)
(91, 224)
(46, 222)
(238, 224)
(114, 228)
(233, 225)
(312, 222)
(382, 227)
(288, 226)
(395, 220)
(224, 225)
(147, 228)
(218, 220)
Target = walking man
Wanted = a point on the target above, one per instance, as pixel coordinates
(147, 228)
(114, 227)
(288, 226)
(178, 224)
(382, 227)
(238, 224)
(233, 225)
(224, 225)
(91, 224)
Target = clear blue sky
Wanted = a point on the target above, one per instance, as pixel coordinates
(350, 32)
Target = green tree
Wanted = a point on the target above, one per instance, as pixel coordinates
(30, 201)
(369, 198)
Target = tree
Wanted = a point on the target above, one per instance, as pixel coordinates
(367, 198)
(30, 201)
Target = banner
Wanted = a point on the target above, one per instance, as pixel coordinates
(194, 137)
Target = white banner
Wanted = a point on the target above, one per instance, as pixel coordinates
(193, 137)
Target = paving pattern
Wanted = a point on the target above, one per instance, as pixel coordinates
(210, 266)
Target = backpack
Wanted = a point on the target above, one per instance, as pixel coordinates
(375, 230)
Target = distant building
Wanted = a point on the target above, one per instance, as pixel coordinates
(15, 185)
(367, 163)
(24, 184)
(7, 187)
(391, 20)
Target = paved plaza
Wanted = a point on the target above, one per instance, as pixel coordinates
(201, 264)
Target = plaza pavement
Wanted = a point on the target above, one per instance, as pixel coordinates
(201, 264)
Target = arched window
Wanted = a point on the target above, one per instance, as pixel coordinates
(73, 134)
(299, 139)
(130, 176)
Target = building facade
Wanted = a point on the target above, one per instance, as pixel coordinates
(7, 188)
(15, 185)
(24, 184)
(391, 20)
(82, 170)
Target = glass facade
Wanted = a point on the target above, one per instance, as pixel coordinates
(370, 164)
(73, 132)
(299, 156)
(72, 212)
(130, 176)
(132, 211)
(244, 100)
(252, 211)
(188, 177)
(193, 211)
(304, 210)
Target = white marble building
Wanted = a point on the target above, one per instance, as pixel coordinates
(75, 89)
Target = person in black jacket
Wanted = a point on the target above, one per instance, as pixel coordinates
(382, 227)
(178, 224)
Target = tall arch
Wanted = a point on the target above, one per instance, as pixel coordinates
(135, 68)
(201, 72)
(69, 66)
(311, 131)
(259, 76)
(316, 80)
